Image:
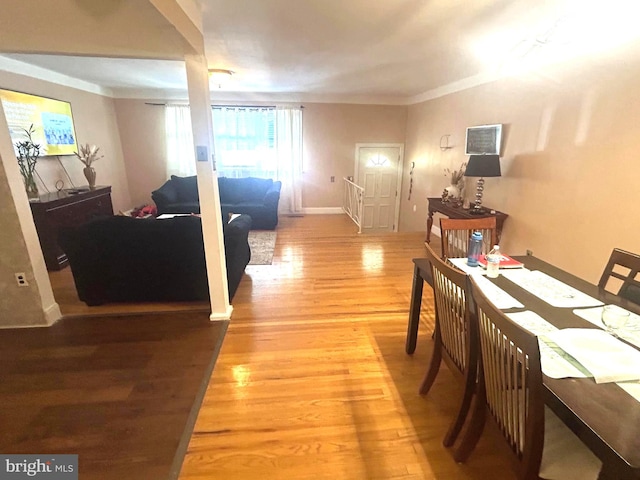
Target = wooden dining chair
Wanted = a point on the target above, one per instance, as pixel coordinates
(510, 389)
(454, 337)
(620, 275)
(455, 234)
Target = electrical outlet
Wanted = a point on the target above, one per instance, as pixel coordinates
(530, 252)
(333, 179)
(415, 207)
(21, 279)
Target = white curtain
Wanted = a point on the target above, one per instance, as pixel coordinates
(181, 160)
(289, 157)
(245, 141)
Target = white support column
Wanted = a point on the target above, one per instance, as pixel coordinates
(202, 125)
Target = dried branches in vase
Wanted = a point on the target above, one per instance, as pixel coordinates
(28, 154)
(455, 191)
(87, 155)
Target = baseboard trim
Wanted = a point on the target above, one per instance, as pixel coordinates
(323, 210)
(52, 314)
(218, 316)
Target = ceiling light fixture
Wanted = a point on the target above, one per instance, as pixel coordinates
(219, 76)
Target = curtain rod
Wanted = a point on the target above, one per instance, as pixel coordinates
(214, 105)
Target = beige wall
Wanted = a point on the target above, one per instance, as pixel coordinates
(95, 123)
(330, 133)
(570, 155)
(141, 127)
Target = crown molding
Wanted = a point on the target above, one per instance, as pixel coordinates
(17, 67)
(227, 96)
(21, 68)
(453, 87)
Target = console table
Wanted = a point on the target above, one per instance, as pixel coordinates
(436, 205)
(66, 208)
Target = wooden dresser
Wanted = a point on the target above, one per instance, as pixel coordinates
(56, 210)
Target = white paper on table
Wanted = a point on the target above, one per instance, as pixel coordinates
(496, 295)
(632, 388)
(555, 363)
(549, 289)
(630, 332)
(461, 263)
(607, 358)
(165, 216)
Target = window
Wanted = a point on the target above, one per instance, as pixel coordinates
(181, 159)
(378, 160)
(245, 141)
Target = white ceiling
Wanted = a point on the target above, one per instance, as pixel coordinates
(367, 49)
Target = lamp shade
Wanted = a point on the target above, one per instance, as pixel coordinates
(483, 166)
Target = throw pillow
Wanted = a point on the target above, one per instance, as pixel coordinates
(187, 188)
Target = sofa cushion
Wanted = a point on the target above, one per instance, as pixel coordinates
(185, 207)
(253, 189)
(257, 197)
(229, 193)
(187, 188)
(127, 259)
(167, 192)
(249, 189)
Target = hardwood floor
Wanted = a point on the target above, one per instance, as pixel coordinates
(118, 391)
(312, 381)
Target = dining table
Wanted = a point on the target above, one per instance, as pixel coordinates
(604, 416)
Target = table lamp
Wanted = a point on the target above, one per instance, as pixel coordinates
(481, 166)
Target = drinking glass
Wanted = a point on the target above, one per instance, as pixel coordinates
(614, 318)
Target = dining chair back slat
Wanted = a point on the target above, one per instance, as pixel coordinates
(621, 275)
(454, 337)
(510, 385)
(455, 234)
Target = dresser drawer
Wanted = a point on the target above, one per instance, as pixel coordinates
(59, 210)
(79, 213)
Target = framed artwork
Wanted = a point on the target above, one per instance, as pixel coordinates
(484, 140)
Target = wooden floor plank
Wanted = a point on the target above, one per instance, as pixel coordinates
(312, 381)
(118, 391)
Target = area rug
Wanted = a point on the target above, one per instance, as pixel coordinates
(262, 244)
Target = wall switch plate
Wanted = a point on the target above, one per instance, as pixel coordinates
(333, 179)
(415, 207)
(201, 153)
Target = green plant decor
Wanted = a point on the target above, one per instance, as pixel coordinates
(28, 154)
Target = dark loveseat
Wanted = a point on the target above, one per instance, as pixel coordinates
(125, 259)
(257, 197)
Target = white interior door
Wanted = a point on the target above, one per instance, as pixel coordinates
(378, 172)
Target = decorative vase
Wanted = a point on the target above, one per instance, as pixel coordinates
(90, 173)
(453, 192)
(31, 187)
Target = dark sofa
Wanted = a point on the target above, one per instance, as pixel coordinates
(257, 197)
(125, 259)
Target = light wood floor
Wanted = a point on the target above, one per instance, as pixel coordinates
(312, 381)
